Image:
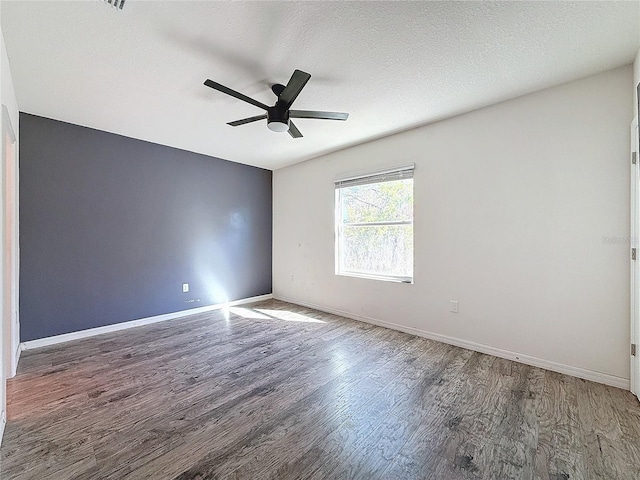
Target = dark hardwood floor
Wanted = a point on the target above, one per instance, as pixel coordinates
(274, 390)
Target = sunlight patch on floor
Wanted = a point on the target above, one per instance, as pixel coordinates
(248, 313)
(289, 316)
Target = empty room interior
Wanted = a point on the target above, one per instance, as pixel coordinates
(320, 240)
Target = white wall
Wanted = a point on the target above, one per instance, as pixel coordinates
(636, 79)
(512, 206)
(8, 92)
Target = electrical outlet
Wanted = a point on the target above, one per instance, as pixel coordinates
(185, 287)
(453, 306)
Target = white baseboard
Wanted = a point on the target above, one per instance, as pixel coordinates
(3, 422)
(91, 332)
(583, 373)
(16, 359)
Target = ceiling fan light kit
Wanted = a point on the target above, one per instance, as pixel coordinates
(279, 116)
(277, 121)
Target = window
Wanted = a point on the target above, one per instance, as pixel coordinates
(374, 225)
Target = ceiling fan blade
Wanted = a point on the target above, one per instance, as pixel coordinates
(318, 115)
(296, 83)
(233, 93)
(247, 120)
(293, 130)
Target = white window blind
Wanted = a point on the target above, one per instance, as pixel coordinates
(398, 173)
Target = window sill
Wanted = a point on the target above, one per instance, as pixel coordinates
(384, 278)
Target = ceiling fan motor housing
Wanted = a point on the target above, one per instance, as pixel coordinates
(278, 119)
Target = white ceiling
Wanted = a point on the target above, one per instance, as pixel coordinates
(139, 72)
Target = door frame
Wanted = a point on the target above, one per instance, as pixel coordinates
(10, 249)
(634, 380)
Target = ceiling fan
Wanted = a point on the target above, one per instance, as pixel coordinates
(279, 116)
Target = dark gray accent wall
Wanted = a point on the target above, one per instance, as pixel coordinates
(111, 227)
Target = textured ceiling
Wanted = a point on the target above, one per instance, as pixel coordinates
(139, 72)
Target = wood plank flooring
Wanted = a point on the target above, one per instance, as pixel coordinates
(275, 390)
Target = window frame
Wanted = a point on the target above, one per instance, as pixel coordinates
(404, 172)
